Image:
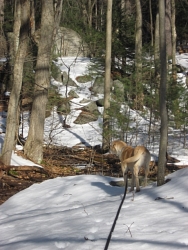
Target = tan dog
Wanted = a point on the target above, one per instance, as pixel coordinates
(132, 159)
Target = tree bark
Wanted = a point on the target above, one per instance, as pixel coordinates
(32, 18)
(13, 107)
(138, 57)
(34, 144)
(138, 38)
(17, 24)
(106, 125)
(151, 22)
(168, 28)
(174, 71)
(162, 97)
(156, 48)
(1, 16)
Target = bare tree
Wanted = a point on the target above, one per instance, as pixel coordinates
(106, 137)
(32, 18)
(1, 15)
(168, 28)
(17, 24)
(3, 42)
(151, 22)
(156, 49)
(174, 71)
(127, 6)
(138, 38)
(87, 10)
(13, 107)
(138, 56)
(34, 144)
(162, 97)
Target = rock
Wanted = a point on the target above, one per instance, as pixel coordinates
(85, 117)
(91, 107)
(118, 90)
(73, 94)
(56, 72)
(63, 108)
(69, 43)
(84, 78)
(98, 86)
(84, 101)
(89, 113)
(67, 80)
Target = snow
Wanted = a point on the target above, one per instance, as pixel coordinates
(77, 212)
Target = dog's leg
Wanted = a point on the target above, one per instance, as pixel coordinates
(135, 173)
(132, 181)
(137, 184)
(124, 171)
(146, 170)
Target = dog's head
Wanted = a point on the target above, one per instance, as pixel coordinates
(116, 146)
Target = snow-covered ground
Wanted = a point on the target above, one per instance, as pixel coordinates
(76, 213)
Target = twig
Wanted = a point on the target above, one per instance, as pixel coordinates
(84, 208)
(128, 229)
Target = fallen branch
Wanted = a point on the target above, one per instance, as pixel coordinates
(128, 229)
(171, 159)
(23, 168)
(11, 181)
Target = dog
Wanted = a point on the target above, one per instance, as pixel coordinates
(132, 159)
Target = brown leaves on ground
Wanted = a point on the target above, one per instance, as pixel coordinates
(57, 161)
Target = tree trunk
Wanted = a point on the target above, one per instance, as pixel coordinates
(34, 144)
(174, 71)
(1, 16)
(138, 57)
(57, 16)
(151, 22)
(106, 125)
(128, 7)
(32, 18)
(138, 38)
(162, 97)
(17, 24)
(13, 107)
(168, 28)
(156, 49)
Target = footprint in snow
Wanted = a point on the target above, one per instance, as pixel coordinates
(61, 244)
(98, 220)
(90, 237)
(93, 229)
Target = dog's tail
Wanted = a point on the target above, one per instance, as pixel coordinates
(133, 158)
(137, 156)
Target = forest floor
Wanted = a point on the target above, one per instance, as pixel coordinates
(61, 162)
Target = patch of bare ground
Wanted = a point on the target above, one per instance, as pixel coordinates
(62, 162)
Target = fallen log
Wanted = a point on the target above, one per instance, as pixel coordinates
(20, 168)
(13, 182)
(175, 167)
(171, 159)
(24, 168)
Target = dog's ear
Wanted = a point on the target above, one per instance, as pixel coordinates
(113, 145)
